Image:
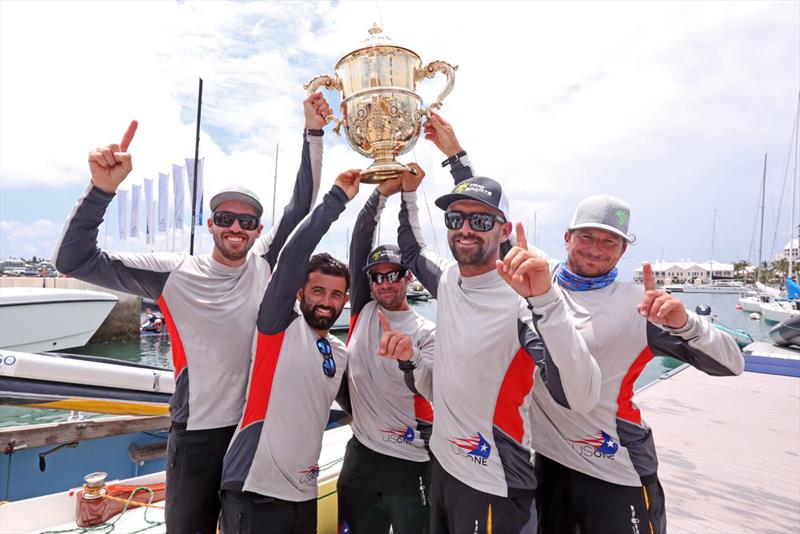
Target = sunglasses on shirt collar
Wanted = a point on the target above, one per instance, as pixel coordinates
(328, 363)
(225, 219)
(391, 276)
(479, 222)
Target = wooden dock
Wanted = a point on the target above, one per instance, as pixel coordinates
(729, 451)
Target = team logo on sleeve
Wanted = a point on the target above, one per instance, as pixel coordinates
(398, 435)
(601, 445)
(475, 448)
(309, 476)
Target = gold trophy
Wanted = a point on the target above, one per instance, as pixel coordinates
(381, 113)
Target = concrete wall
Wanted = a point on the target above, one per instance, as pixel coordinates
(122, 324)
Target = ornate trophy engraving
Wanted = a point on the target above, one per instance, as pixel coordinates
(381, 113)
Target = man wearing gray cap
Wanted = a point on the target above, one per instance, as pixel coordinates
(486, 354)
(597, 471)
(210, 303)
(385, 479)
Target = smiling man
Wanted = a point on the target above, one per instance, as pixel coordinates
(385, 478)
(210, 303)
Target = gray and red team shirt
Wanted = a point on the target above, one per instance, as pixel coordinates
(487, 352)
(388, 416)
(210, 308)
(612, 442)
(276, 446)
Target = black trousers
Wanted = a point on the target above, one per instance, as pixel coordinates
(194, 468)
(457, 508)
(250, 513)
(376, 492)
(570, 502)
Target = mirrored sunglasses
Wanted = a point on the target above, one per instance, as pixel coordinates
(479, 222)
(328, 363)
(224, 219)
(391, 276)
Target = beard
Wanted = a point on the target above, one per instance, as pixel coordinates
(314, 320)
(391, 300)
(481, 255)
(233, 254)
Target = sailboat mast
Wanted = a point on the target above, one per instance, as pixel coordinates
(711, 261)
(761, 235)
(794, 190)
(196, 158)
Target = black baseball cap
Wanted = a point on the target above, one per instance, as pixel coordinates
(384, 254)
(480, 189)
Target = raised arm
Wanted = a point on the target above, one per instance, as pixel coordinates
(277, 306)
(426, 265)
(363, 241)
(306, 186)
(77, 253)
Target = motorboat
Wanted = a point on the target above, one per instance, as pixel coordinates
(45, 319)
(715, 287)
(779, 311)
(786, 333)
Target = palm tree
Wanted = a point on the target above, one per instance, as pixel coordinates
(740, 269)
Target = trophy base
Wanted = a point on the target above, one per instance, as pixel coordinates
(378, 172)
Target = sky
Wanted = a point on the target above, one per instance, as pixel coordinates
(669, 106)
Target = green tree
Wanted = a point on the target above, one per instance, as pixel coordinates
(740, 269)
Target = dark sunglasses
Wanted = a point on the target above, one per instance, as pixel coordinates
(328, 363)
(391, 276)
(480, 222)
(224, 219)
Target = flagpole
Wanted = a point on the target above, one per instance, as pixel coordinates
(196, 160)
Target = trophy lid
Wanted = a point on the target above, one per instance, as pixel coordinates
(376, 39)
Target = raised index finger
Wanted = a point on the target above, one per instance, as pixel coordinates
(522, 242)
(128, 137)
(384, 322)
(647, 276)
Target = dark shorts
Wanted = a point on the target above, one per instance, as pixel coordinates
(573, 502)
(194, 468)
(457, 508)
(251, 513)
(376, 491)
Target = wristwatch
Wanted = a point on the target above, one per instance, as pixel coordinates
(312, 131)
(452, 159)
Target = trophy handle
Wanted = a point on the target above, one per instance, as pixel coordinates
(429, 71)
(332, 84)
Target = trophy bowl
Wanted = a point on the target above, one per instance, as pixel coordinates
(381, 112)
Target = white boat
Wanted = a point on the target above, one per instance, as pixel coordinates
(44, 319)
(778, 311)
(753, 304)
(715, 287)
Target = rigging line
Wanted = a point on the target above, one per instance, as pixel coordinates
(380, 18)
(783, 188)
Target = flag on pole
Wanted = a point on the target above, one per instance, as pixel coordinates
(148, 211)
(163, 201)
(198, 217)
(136, 193)
(177, 188)
(122, 213)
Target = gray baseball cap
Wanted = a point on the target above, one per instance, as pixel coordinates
(237, 192)
(384, 254)
(604, 212)
(480, 189)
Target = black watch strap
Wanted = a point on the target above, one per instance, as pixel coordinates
(452, 159)
(315, 133)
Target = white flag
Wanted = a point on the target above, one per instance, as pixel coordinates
(136, 193)
(148, 211)
(163, 201)
(198, 217)
(177, 188)
(122, 213)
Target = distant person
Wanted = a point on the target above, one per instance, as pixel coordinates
(597, 471)
(210, 303)
(385, 478)
(487, 354)
(269, 477)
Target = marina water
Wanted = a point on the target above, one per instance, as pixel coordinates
(156, 351)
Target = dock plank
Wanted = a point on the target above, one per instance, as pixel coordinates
(729, 451)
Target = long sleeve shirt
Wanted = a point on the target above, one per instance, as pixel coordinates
(210, 308)
(487, 351)
(388, 417)
(276, 446)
